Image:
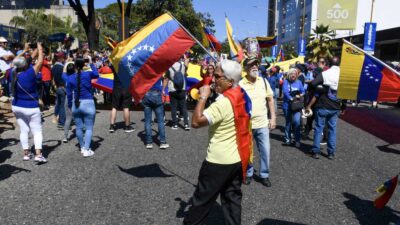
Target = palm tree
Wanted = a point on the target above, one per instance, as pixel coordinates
(321, 42)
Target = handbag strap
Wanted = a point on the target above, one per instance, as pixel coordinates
(23, 89)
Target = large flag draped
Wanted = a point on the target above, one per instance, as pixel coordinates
(105, 82)
(236, 49)
(266, 42)
(242, 107)
(386, 191)
(364, 77)
(209, 40)
(140, 60)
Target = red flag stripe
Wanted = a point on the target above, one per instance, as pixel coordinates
(390, 86)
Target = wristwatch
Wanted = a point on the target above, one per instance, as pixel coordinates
(203, 97)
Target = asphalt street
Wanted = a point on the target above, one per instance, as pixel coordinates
(124, 183)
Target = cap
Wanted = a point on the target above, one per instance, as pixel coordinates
(249, 60)
(59, 55)
(2, 40)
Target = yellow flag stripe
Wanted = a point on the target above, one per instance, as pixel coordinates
(232, 43)
(125, 46)
(350, 71)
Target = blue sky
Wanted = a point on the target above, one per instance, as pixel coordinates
(248, 17)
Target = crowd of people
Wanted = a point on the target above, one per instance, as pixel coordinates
(240, 111)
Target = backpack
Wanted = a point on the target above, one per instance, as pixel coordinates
(179, 78)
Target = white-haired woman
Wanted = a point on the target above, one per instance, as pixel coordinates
(25, 104)
(292, 90)
(229, 146)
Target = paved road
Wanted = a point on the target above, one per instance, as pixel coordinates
(126, 184)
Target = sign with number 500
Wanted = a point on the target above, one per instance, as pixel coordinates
(338, 14)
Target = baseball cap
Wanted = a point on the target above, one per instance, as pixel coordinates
(59, 55)
(2, 40)
(249, 60)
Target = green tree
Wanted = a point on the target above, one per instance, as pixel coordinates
(321, 43)
(35, 23)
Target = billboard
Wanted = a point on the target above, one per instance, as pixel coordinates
(338, 14)
(369, 37)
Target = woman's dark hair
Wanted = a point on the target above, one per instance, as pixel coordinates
(79, 63)
(70, 69)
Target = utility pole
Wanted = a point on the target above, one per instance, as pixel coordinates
(123, 20)
(372, 10)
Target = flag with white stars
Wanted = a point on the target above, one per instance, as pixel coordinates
(364, 77)
(142, 59)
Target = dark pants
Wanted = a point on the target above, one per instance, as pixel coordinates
(215, 179)
(60, 108)
(46, 92)
(178, 102)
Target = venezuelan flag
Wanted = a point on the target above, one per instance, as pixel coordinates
(105, 82)
(364, 77)
(386, 190)
(209, 40)
(141, 60)
(266, 42)
(236, 49)
(281, 56)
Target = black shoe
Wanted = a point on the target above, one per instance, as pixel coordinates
(129, 129)
(112, 128)
(266, 182)
(315, 155)
(247, 181)
(331, 156)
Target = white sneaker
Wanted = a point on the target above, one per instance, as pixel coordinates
(164, 146)
(88, 153)
(149, 146)
(174, 127)
(28, 157)
(65, 140)
(40, 158)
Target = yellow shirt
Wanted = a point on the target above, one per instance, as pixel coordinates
(222, 146)
(258, 94)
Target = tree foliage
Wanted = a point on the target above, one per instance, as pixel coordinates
(39, 25)
(321, 43)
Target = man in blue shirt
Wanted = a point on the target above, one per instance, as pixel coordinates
(59, 84)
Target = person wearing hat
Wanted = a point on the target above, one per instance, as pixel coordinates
(5, 54)
(261, 95)
(59, 83)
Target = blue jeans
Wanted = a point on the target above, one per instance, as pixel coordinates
(60, 105)
(84, 116)
(292, 119)
(261, 137)
(153, 101)
(328, 116)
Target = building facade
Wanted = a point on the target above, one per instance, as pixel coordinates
(287, 17)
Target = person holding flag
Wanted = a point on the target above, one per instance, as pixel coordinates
(229, 147)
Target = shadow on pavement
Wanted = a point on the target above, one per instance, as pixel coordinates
(277, 222)
(4, 155)
(142, 136)
(96, 143)
(8, 142)
(8, 170)
(216, 215)
(367, 214)
(387, 149)
(47, 149)
(152, 170)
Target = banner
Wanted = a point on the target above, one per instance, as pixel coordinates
(338, 14)
(285, 65)
(369, 37)
(302, 47)
(274, 51)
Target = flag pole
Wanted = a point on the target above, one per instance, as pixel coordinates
(359, 49)
(195, 39)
